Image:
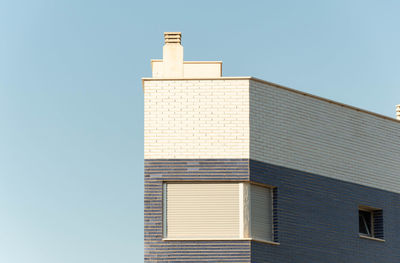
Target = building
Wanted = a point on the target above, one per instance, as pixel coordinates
(238, 169)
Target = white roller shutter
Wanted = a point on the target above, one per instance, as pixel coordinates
(261, 212)
(201, 210)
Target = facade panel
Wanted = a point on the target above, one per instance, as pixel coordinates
(317, 216)
(306, 133)
(196, 119)
(160, 171)
(318, 219)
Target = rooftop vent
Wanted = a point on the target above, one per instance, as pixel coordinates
(172, 65)
(398, 112)
(172, 55)
(172, 37)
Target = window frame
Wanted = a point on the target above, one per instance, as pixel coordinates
(245, 227)
(373, 224)
(369, 229)
(165, 208)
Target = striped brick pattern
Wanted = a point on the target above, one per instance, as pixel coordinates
(306, 133)
(159, 170)
(250, 118)
(196, 119)
(317, 216)
(318, 219)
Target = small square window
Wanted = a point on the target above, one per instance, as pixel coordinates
(370, 222)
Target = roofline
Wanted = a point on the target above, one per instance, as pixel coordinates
(277, 86)
(192, 62)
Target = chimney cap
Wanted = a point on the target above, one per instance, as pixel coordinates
(172, 37)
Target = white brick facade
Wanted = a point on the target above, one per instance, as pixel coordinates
(196, 118)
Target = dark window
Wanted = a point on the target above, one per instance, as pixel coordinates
(364, 223)
(370, 222)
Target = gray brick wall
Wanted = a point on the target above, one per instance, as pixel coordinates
(159, 170)
(318, 219)
(316, 216)
(302, 132)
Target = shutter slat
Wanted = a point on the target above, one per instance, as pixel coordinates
(261, 212)
(202, 210)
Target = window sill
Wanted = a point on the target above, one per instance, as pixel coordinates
(204, 239)
(220, 239)
(372, 238)
(265, 241)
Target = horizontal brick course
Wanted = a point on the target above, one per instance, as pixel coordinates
(309, 134)
(159, 170)
(324, 158)
(316, 216)
(196, 119)
(318, 219)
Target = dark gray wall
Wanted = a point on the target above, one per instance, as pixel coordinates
(318, 219)
(157, 171)
(317, 216)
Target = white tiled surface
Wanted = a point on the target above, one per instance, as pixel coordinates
(196, 119)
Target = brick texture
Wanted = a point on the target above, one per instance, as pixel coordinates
(158, 171)
(318, 219)
(196, 119)
(309, 134)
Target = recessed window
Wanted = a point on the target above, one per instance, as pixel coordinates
(370, 222)
(261, 212)
(201, 210)
(365, 223)
(217, 210)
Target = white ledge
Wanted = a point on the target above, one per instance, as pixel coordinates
(219, 239)
(372, 238)
(205, 239)
(266, 242)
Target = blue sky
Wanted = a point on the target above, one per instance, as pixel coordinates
(71, 102)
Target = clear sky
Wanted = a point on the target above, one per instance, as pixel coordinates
(71, 101)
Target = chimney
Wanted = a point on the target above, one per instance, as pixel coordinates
(172, 55)
(172, 65)
(398, 112)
